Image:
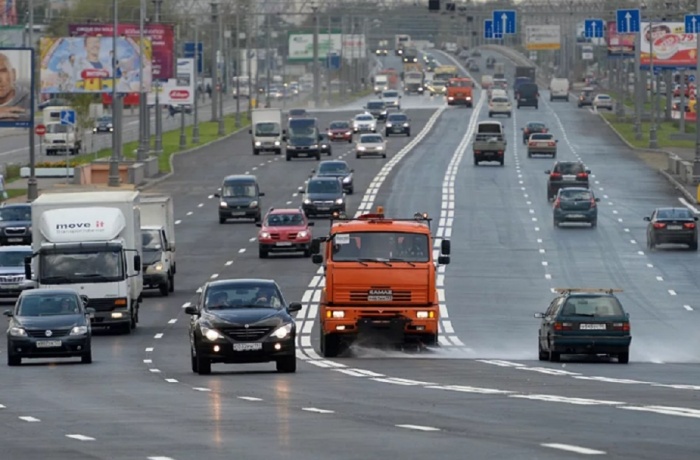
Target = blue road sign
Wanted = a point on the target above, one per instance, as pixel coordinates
(67, 117)
(188, 48)
(628, 21)
(488, 29)
(332, 61)
(503, 22)
(692, 23)
(691, 78)
(594, 28)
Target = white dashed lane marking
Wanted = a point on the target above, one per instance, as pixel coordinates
(249, 398)
(80, 437)
(575, 449)
(29, 418)
(317, 410)
(418, 427)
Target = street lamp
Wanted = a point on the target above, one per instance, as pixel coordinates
(143, 103)
(113, 180)
(317, 79)
(158, 148)
(32, 188)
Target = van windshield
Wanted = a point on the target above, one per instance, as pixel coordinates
(269, 129)
(239, 191)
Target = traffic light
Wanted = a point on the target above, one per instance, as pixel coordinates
(433, 5)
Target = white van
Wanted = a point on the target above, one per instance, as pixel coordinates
(559, 89)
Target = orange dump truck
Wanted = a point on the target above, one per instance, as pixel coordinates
(459, 92)
(380, 281)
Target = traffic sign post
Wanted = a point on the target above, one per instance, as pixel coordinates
(691, 78)
(594, 28)
(692, 26)
(504, 22)
(68, 117)
(40, 130)
(692, 23)
(189, 52)
(628, 21)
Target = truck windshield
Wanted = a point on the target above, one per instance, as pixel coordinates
(55, 128)
(302, 127)
(460, 83)
(151, 240)
(380, 247)
(267, 129)
(81, 267)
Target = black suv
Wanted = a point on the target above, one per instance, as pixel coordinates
(566, 174)
(584, 322)
(338, 169)
(377, 109)
(323, 195)
(242, 321)
(397, 123)
(16, 224)
(239, 198)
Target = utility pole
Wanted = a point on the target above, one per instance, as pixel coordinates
(32, 189)
(221, 73)
(249, 65)
(638, 86)
(653, 142)
(268, 61)
(113, 180)
(317, 77)
(214, 62)
(696, 162)
(158, 148)
(238, 65)
(328, 63)
(143, 103)
(195, 126)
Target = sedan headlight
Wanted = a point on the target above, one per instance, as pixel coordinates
(223, 204)
(347, 180)
(389, 125)
(355, 126)
(282, 332)
(380, 147)
(253, 204)
(258, 143)
(302, 234)
(307, 201)
(315, 146)
(79, 330)
(349, 133)
(405, 125)
(339, 201)
(18, 332)
(361, 148)
(211, 334)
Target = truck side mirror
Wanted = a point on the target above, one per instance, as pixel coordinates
(85, 300)
(28, 268)
(443, 260)
(315, 246)
(137, 263)
(317, 259)
(445, 247)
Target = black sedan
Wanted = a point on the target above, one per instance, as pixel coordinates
(584, 322)
(672, 226)
(323, 196)
(338, 169)
(397, 123)
(103, 125)
(533, 127)
(242, 321)
(566, 174)
(325, 144)
(49, 323)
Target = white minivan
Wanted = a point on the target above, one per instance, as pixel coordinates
(559, 89)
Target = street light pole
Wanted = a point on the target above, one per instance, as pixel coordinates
(317, 77)
(638, 86)
(113, 180)
(653, 142)
(214, 64)
(238, 65)
(696, 162)
(222, 74)
(158, 148)
(268, 61)
(143, 103)
(195, 125)
(32, 188)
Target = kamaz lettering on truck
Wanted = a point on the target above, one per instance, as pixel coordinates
(90, 242)
(380, 282)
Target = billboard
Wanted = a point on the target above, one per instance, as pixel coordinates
(181, 89)
(544, 37)
(8, 12)
(162, 40)
(12, 36)
(84, 65)
(16, 83)
(619, 45)
(301, 46)
(670, 45)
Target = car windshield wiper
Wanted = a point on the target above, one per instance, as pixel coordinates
(403, 260)
(56, 279)
(252, 305)
(92, 276)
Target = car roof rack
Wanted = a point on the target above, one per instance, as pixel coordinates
(586, 290)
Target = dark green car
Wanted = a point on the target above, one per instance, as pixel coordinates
(584, 322)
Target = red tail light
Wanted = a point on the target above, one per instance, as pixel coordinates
(551, 144)
(593, 204)
(562, 326)
(689, 225)
(659, 225)
(555, 175)
(557, 203)
(625, 327)
(582, 175)
(532, 144)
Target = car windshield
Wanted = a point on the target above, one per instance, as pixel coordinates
(535, 126)
(253, 295)
(239, 191)
(16, 213)
(332, 168)
(48, 305)
(380, 247)
(13, 258)
(575, 195)
(397, 118)
(323, 186)
(569, 168)
(340, 125)
(674, 213)
(104, 120)
(390, 94)
(597, 306)
(603, 96)
(439, 83)
(364, 118)
(150, 240)
(371, 140)
(541, 137)
(267, 129)
(285, 220)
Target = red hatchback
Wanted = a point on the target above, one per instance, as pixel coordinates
(284, 230)
(340, 131)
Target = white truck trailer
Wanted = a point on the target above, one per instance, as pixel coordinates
(267, 132)
(158, 241)
(90, 242)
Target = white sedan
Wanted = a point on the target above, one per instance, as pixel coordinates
(364, 123)
(370, 144)
(603, 101)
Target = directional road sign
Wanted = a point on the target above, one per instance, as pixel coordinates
(628, 21)
(189, 53)
(67, 117)
(692, 23)
(503, 22)
(594, 28)
(691, 78)
(488, 29)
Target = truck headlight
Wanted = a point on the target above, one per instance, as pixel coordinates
(223, 204)
(282, 332)
(211, 334)
(258, 143)
(253, 204)
(158, 266)
(422, 314)
(18, 332)
(79, 330)
(336, 314)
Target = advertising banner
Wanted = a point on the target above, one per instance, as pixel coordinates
(84, 65)
(544, 37)
(181, 89)
(8, 12)
(672, 48)
(16, 83)
(301, 46)
(12, 36)
(162, 40)
(619, 45)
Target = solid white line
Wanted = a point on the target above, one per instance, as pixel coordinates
(576, 449)
(80, 437)
(201, 389)
(160, 458)
(28, 418)
(249, 398)
(318, 411)
(418, 427)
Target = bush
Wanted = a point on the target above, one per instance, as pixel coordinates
(12, 171)
(58, 164)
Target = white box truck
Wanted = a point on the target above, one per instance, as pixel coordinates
(61, 138)
(158, 242)
(90, 242)
(267, 132)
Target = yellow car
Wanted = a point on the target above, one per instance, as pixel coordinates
(437, 87)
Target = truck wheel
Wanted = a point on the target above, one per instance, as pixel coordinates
(171, 282)
(86, 358)
(330, 346)
(127, 327)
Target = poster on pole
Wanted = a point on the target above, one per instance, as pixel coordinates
(543, 37)
(84, 65)
(162, 39)
(672, 48)
(349, 46)
(181, 89)
(619, 45)
(16, 83)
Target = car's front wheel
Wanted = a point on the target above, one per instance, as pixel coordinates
(288, 364)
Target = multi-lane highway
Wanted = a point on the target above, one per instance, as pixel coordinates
(483, 394)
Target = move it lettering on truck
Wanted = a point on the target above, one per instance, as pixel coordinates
(81, 227)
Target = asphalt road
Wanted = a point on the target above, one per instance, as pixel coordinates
(481, 395)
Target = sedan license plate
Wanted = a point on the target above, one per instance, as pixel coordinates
(675, 227)
(283, 244)
(569, 177)
(9, 286)
(323, 208)
(14, 240)
(247, 346)
(576, 216)
(592, 327)
(397, 129)
(238, 213)
(48, 343)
